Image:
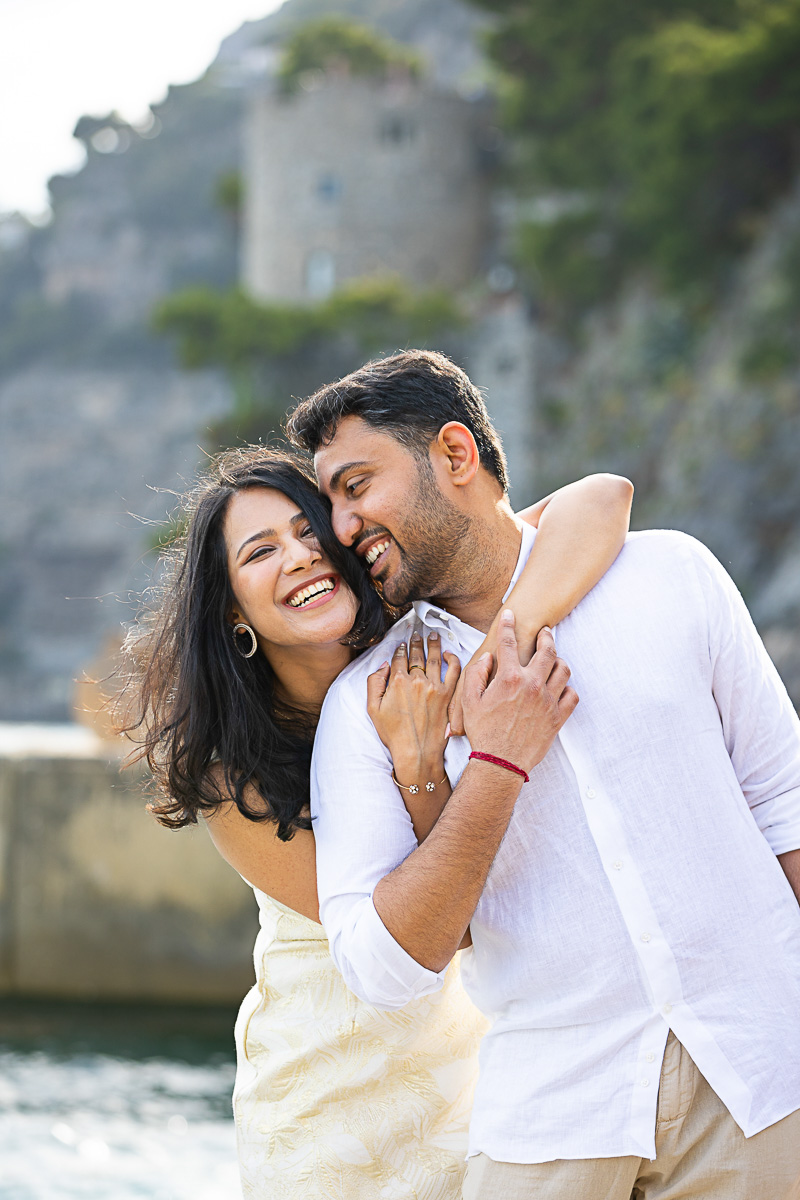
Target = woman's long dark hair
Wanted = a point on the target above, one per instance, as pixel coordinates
(207, 721)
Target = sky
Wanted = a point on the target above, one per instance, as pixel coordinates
(60, 59)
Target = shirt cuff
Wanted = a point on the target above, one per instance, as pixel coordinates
(387, 976)
(779, 821)
(783, 841)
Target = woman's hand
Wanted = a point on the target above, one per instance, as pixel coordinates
(581, 530)
(407, 700)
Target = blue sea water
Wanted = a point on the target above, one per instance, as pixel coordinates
(116, 1103)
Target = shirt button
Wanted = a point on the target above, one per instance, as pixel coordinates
(667, 1008)
(617, 865)
(645, 1083)
(650, 1057)
(645, 937)
(450, 637)
(591, 793)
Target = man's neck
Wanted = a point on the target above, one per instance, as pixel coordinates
(475, 598)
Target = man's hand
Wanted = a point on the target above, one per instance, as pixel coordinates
(526, 644)
(428, 901)
(519, 713)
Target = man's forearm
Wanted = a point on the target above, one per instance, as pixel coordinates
(790, 861)
(428, 901)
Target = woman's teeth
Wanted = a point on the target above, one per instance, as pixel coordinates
(375, 552)
(311, 592)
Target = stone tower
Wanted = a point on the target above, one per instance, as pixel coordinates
(361, 178)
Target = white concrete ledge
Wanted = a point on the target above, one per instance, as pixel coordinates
(98, 901)
(28, 740)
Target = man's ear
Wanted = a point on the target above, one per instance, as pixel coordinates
(459, 451)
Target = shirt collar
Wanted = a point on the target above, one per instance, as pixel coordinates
(432, 615)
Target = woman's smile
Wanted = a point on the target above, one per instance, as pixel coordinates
(316, 592)
(278, 573)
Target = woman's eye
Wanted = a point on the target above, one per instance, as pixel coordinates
(260, 552)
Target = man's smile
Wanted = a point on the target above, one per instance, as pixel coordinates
(373, 550)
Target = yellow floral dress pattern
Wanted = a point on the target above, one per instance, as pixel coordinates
(335, 1100)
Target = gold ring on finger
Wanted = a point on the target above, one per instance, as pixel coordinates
(417, 667)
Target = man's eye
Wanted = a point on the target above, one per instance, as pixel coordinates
(353, 486)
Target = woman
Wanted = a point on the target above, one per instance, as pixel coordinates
(333, 1098)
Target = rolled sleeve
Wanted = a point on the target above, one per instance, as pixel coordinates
(373, 964)
(362, 832)
(760, 725)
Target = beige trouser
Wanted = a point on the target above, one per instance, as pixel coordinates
(700, 1152)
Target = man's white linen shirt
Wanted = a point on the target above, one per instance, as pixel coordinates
(636, 889)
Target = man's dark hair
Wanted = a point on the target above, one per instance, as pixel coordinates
(409, 396)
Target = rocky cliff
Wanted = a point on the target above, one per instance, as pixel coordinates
(94, 413)
(700, 406)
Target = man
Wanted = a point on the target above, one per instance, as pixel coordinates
(634, 907)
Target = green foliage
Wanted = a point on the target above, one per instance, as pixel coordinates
(229, 192)
(336, 43)
(680, 118)
(272, 352)
(773, 347)
(570, 260)
(231, 330)
(767, 357)
(383, 311)
(707, 121)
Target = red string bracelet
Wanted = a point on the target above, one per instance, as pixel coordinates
(500, 762)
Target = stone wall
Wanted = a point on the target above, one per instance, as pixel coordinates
(89, 457)
(499, 355)
(97, 901)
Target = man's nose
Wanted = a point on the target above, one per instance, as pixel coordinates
(346, 525)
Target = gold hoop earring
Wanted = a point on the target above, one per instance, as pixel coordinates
(242, 628)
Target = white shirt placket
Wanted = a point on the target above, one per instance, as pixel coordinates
(657, 962)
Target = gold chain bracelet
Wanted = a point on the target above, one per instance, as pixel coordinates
(414, 787)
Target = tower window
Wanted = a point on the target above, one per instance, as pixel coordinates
(320, 274)
(329, 188)
(396, 130)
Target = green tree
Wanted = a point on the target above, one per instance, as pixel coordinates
(334, 42)
(676, 123)
(231, 330)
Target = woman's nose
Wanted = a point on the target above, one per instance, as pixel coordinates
(301, 554)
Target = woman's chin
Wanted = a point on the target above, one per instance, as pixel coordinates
(329, 623)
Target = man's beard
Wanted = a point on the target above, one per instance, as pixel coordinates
(430, 546)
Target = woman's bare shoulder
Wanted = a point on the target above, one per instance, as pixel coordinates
(286, 871)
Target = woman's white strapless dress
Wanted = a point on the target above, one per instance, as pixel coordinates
(335, 1100)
